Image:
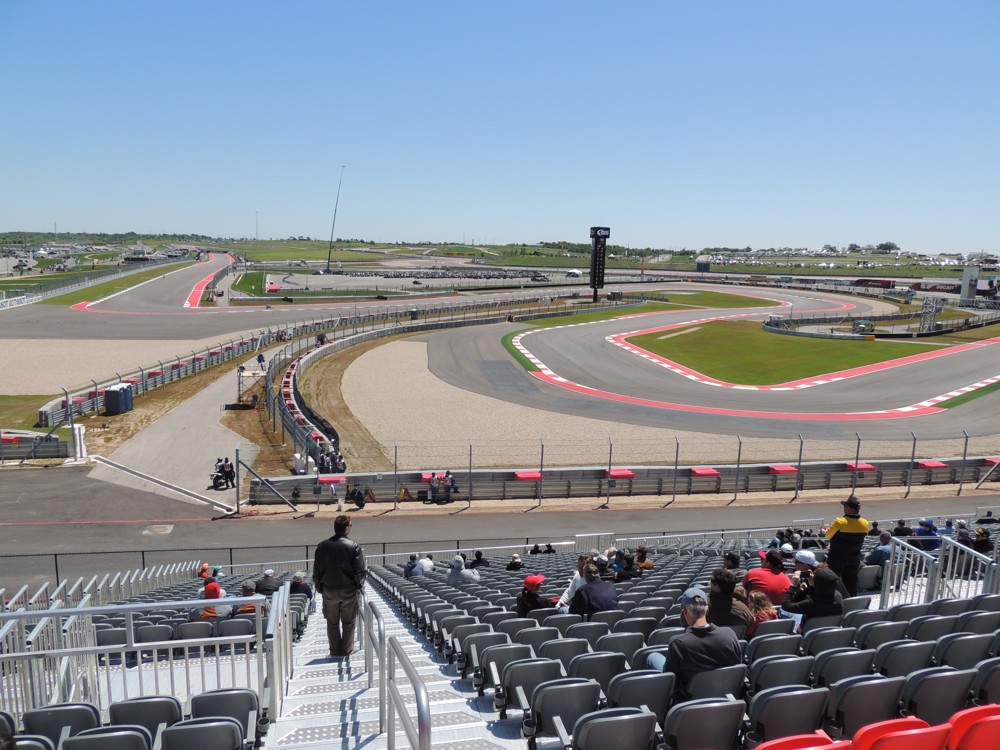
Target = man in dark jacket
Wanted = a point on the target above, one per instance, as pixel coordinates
(596, 595)
(847, 536)
(268, 584)
(339, 574)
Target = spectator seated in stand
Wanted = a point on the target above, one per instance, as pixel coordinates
(549, 549)
(629, 570)
(642, 560)
(247, 589)
(299, 585)
(413, 568)
(515, 562)
(762, 610)
(723, 608)
(268, 584)
(770, 578)
(529, 598)
(479, 561)
(458, 573)
(595, 595)
(212, 591)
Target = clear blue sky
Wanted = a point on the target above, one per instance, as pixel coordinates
(678, 124)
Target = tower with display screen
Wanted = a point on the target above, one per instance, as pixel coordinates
(598, 257)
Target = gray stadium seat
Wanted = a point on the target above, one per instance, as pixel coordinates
(204, 734)
(50, 720)
(935, 693)
(697, 724)
(637, 688)
(858, 701)
(556, 706)
(786, 710)
(614, 727)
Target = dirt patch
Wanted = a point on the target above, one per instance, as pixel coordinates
(321, 389)
(106, 434)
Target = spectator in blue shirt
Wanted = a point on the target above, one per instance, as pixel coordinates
(929, 535)
(882, 552)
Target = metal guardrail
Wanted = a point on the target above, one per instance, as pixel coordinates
(51, 656)
(374, 629)
(914, 575)
(419, 734)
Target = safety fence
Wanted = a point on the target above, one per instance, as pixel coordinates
(33, 447)
(55, 655)
(953, 571)
(617, 481)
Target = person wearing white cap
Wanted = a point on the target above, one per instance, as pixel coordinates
(268, 584)
(847, 536)
(515, 562)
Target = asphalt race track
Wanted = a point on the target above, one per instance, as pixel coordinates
(620, 385)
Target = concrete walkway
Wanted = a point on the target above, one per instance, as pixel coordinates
(181, 447)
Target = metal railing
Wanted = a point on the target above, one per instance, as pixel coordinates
(50, 656)
(418, 734)
(914, 575)
(374, 630)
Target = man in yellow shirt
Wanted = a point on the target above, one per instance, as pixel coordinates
(847, 536)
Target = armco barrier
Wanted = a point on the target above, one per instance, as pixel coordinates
(664, 481)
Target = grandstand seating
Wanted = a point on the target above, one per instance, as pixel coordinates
(871, 665)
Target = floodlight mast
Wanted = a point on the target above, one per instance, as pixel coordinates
(329, 252)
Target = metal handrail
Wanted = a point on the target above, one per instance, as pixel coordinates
(375, 631)
(419, 735)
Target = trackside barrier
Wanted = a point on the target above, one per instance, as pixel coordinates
(913, 575)
(309, 432)
(51, 656)
(91, 398)
(589, 482)
(419, 735)
(374, 626)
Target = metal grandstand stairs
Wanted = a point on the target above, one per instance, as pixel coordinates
(329, 704)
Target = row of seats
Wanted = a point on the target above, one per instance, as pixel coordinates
(226, 719)
(975, 728)
(516, 656)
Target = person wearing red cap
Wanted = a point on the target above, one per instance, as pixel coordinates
(212, 591)
(770, 578)
(529, 597)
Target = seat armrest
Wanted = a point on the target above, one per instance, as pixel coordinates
(564, 737)
(522, 699)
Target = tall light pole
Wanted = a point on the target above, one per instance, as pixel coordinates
(329, 252)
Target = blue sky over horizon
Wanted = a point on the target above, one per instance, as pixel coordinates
(676, 124)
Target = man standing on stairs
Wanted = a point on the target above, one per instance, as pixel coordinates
(339, 574)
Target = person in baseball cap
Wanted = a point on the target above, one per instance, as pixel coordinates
(530, 596)
(703, 647)
(847, 536)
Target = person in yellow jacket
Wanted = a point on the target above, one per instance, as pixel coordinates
(847, 536)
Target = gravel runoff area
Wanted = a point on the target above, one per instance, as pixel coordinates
(436, 412)
(31, 367)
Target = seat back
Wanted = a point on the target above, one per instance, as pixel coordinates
(6, 723)
(900, 658)
(562, 622)
(514, 626)
(623, 643)
(240, 704)
(866, 737)
(836, 664)
(824, 639)
(474, 645)
(930, 627)
(589, 630)
(536, 636)
(986, 687)
(663, 636)
(983, 735)
(858, 701)
(110, 738)
(148, 711)
(874, 634)
(34, 742)
(521, 677)
(781, 626)
(493, 659)
(822, 621)
(215, 733)
(936, 693)
(195, 630)
(773, 671)
(50, 720)
(962, 650)
(772, 645)
(567, 698)
(614, 727)
(609, 617)
(964, 720)
(493, 619)
(637, 688)
(699, 724)
(564, 650)
(718, 683)
(783, 711)
(601, 667)
(927, 738)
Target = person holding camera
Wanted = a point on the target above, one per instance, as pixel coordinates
(815, 590)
